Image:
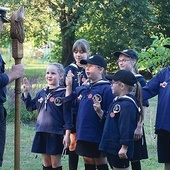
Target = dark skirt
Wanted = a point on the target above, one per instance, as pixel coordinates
(116, 162)
(47, 143)
(140, 149)
(88, 149)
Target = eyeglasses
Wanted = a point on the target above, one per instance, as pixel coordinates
(114, 82)
(123, 61)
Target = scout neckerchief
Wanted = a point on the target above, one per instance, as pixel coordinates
(79, 73)
(49, 93)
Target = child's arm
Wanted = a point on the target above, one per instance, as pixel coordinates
(139, 129)
(68, 82)
(26, 97)
(123, 152)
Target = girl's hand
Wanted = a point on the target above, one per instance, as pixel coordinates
(26, 85)
(138, 132)
(123, 152)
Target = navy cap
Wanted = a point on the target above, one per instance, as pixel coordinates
(129, 53)
(125, 76)
(167, 46)
(3, 13)
(96, 60)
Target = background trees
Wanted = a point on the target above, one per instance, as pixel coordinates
(107, 25)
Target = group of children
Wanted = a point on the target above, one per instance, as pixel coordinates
(97, 117)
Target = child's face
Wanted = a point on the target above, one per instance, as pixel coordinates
(52, 76)
(79, 55)
(126, 63)
(94, 72)
(116, 88)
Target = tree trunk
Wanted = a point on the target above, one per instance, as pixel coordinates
(67, 44)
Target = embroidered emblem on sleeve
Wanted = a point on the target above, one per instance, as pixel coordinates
(164, 84)
(116, 110)
(97, 97)
(58, 101)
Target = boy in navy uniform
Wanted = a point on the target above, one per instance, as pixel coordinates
(5, 79)
(89, 123)
(160, 85)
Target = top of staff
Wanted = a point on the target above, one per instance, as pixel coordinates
(3, 11)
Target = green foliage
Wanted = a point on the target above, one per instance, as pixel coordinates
(67, 14)
(117, 25)
(38, 23)
(108, 25)
(56, 52)
(161, 11)
(154, 58)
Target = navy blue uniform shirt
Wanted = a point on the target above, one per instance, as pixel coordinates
(51, 115)
(78, 79)
(160, 85)
(89, 124)
(4, 80)
(121, 122)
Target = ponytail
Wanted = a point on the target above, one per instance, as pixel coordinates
(138, 95)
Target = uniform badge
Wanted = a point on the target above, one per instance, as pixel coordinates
(51, 99)
(90, 96)
(97, 97)
(112, 114)
(83, 79)
(58, 101)
(116, 110)
(164, 84)
(40, 100)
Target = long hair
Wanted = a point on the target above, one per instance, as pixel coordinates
(136, 91)
(138, 95)
(83, 44)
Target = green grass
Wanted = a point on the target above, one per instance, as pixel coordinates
(29, 162)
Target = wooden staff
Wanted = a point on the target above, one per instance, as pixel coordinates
(17, 35)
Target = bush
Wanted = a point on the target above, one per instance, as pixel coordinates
(156, 57)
